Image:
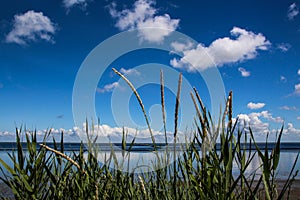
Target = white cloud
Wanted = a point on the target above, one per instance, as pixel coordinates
(143, 17)
(265, 114)
(71, 3)
(195, 58)
(260, 128)
(259, 123)
(70, 135)
(68, 4)
(297, 89)
(244, 46)
(284, 47)
(283, 79)
(180, 47)
(130, 72)
(288, 108)
(291, 129)
(293, 11)
(108, 87)
(105, 134)
(244, 72)
(299, 72)
(164, 26)
(253, 120)
(30, 27)
(253, 106)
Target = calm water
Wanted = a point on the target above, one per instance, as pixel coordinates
(142, 155)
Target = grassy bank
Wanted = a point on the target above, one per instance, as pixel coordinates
(48, 173)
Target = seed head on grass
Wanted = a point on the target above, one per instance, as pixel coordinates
(177, 105)
(143, 187)
(199, 99)
(228, 111)
(140, 102)
(199, 116)
(162, 94)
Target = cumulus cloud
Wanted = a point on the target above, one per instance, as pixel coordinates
(299, 72)
(253, 120)
(31, 27)
(297, 89)
(298, 118)
(141, 135)
(108, 87)
(243, 45)
(104, 132)
(256, 117)
(265, 114)
(284, 47)
(143, 16)
(70, 135)
(70, 3)
(293, 11)
(291, 129)
(108, 133)
(244, 72)
(288, 108)
(180, 47)
(130, 72)
(253, 106)
(259, 123)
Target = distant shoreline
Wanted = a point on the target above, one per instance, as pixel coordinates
(74, 146)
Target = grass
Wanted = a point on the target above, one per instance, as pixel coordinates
(42, 172)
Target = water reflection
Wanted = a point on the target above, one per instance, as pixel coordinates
(144, 162)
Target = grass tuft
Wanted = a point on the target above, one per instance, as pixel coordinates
(203, 170)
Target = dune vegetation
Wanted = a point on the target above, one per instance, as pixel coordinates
(41, 172)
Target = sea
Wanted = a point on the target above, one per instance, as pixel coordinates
(143, 154)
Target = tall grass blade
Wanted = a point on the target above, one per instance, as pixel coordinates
(276, 152)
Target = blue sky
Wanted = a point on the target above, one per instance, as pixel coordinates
(255, 46)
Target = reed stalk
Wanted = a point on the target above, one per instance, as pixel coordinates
(162, 94)
(64, 156)
(140, 102)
